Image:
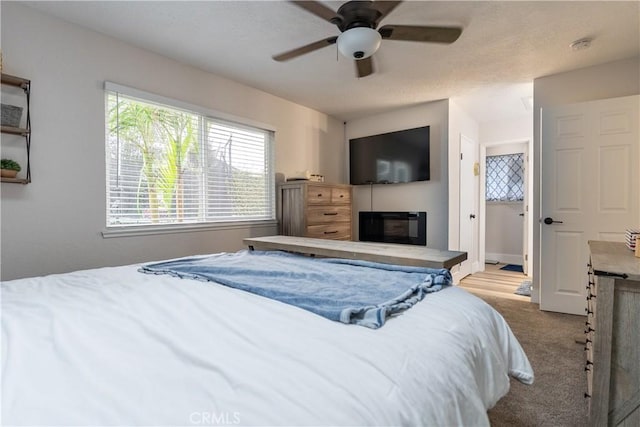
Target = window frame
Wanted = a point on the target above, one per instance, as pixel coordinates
(153, 229)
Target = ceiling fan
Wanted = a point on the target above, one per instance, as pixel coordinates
(359, 39)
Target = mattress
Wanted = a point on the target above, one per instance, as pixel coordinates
(113, 346)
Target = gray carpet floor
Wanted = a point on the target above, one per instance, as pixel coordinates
(556, 398)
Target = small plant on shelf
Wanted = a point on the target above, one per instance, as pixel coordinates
(9, 168)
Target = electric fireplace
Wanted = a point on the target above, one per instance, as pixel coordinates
(394, 227)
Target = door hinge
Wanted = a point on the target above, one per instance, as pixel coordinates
(460, 156)
(526, 257)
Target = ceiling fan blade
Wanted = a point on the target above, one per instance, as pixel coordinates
(385, 8)
(364, 67)
(317, 9)
(305, 49)
(420, 34)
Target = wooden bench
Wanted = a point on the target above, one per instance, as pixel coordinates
(388, 253)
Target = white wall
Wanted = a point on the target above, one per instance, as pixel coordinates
(500, 132)
(430, 196)
(53, 224)
(504, 232)
(611, 80)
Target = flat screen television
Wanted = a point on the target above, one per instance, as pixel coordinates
(390, 158)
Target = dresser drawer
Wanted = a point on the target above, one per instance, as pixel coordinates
(328, 214)
(341, 195)
(317, 195)
(336, 231)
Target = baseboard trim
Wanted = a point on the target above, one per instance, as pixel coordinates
(505, 258)
(456, 276)
(475, 267)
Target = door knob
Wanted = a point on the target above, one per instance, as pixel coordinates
(548, 220)
(471, 216)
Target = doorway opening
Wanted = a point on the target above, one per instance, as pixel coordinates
(495, 282)
(505, 226)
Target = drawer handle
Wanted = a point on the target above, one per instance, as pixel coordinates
(319, 194)
(607, 274)
(330, 232)
(330, 213)
(341, 196)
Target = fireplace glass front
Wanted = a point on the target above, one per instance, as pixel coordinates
(394, 227)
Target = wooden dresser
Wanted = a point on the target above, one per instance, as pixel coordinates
(314, 209)
(613, 335)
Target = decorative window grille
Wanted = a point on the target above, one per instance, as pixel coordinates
(168, 165)
(505, 178)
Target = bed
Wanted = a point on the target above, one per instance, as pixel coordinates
(113, 346)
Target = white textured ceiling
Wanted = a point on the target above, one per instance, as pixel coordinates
(503, 47)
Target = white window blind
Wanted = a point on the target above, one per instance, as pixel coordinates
(168, 165)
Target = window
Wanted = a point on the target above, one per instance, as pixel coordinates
(505, 178)
(168, 165)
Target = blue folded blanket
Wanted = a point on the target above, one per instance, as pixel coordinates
(349, 291)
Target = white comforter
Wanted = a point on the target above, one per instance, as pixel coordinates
(116, 347)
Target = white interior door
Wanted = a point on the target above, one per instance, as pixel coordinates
(590, 191)
(468, 190)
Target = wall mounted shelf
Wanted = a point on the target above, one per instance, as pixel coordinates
(25, 85)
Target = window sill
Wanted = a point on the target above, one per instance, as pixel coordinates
(504, 202)
(184, 228)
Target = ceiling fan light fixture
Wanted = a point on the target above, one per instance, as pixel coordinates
(359, 42)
